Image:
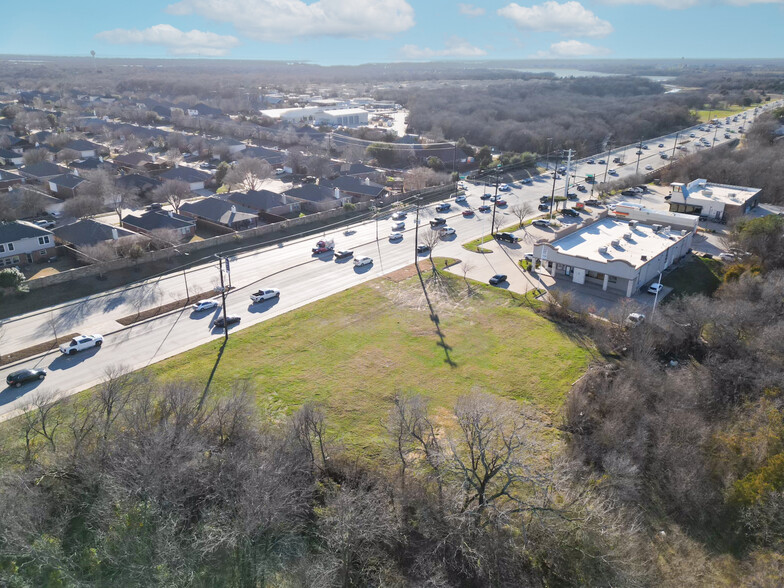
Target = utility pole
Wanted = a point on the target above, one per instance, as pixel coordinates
(552, 196)
(495, 198)
(607, 161)
(549, 141)
(568, 172)
(675, 145)
(416, 237)
(715, 132)
(639, 154)
(223, 298)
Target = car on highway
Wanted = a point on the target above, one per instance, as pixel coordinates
(395, 236)
(504, 188)
(20, 377)
(446, 232)
(571, 196)
(590, 161)
(655, 288)
(661, 145)
(508, 237)
(344, 254)
(323, 246)
(541, 222)
(231, 319)
(602, 162)
(486, 196)
(360, 261)
(497, 279)
(500, 202)
(205, 305)
(468, 212)
(726, 135)
(45, 223)
(398, 216)
(398, 226)
(649, 167)
(612, 172)
(645, 147)
(437, 222)
(639, 152)
(443, 207)
(582, 188)
(485, 208)
(528, 180)
(460, 198)
(80, 343)
(569, 212)
(422, 248)
(267, 294)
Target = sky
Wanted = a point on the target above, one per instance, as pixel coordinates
(349, 32)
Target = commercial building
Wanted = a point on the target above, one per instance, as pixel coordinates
(717, 202)
(619, 253)
(339, 117)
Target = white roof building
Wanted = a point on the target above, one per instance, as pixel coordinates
(620, 253)
(344, 117)
(719, 202)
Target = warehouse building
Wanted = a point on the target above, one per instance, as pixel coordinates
(716, 202)
(619, 253)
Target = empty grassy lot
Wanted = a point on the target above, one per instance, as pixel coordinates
(353, 351)
(699, 275)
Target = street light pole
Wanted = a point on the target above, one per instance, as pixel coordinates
(675, 145)
(223, 298)
(639, 154)
(549, 141)
(495, 198)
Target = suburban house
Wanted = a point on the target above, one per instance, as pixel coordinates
(265, 201)
(271, 156)
(193, 177)
(22, 243)
(214, 211)
(133, 161)
(65, 185)
(622, 253)
(716, 202)
(153, 220)
(92, 163)
(83, 147)
(358, 169)
(142, 185)
(43, 171)
(316, 198)
(9, 157)
(87, 232)
(360, 190)
(233, 145)
(8, 180)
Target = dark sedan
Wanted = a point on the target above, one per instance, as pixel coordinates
(20, 377)
(497, 279)
(230, 320)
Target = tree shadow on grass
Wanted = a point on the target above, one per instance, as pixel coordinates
(212, 374)
(434, 317)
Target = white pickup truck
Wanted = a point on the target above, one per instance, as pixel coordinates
(81, 343)
(267, 294)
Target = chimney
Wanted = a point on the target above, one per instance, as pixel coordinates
(171, 214)
(337, 193)
(233, 209)
(115, 234)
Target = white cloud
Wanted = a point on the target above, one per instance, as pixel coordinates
(471, 10)
(285, 20)
(454, 47)
(177, 42)
(681, 4)
(570, 18)
(571, 48)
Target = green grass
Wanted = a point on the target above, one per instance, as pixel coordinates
(707, 114)
(476, 244)
(697, 276)
(353, 351)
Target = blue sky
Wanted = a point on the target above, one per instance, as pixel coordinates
(360, 31)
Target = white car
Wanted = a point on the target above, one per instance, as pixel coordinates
(634, 319)
(649, 167)
(205, 305)
(398, 226)
(655, 288)
(45, 223)
(267, 294)
(395, 236)
(81, 343)
(360, 261)
(612, 172)
(399, 216)
(446, 231)
(540, 222)
(460, 198)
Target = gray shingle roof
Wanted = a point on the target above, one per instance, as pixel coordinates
(43, 169)
(17, 230)
(312, 193)
(158, 219)
(67, 180)
(185, 174)
(257, 199)
(219, 211)
(88, 232)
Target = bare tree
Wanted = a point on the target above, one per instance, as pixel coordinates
(32, 156)
(83, 205)
(49, 418)
(67, 155)
(431, 239)
(309, 428)
(173, 192)
(249, 172)
(521, 211)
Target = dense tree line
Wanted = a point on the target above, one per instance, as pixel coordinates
(756, 162)
(537, 115)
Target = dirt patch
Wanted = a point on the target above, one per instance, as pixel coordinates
(424, 265)
(151, 312)
(35, 349)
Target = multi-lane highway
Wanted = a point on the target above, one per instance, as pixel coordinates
(301, 277)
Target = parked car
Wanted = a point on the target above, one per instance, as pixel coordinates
(422, 248)
(343, 254)
(504, 188)
(592, 202)
(438, 221)
(205, 305)
(231, 319)
(544, 207)
(485, 208)
(528, 180)
(545, 198)
(541, 222)
(500, 202)
(661, 145)
(20, 377)
(571, 196)
(649, 167)
(508, 237)
(360, 261)
(612, 172)
(569, 212)
(590, 162)
(398, 216)
(443, 207)
(155, 206)
(45, 223)
(395, 236)
(497, 279)
(446, 231)
(399, 226)
(468, 212)
(602, 162)
(655, 288)
(80, 343)
(263, 295)
(486, 196)
(634, 319)
(460, 198)
(582, 188)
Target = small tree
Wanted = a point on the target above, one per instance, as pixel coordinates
(249, 172)
(35, 156)
(521, 211)
(173, 192)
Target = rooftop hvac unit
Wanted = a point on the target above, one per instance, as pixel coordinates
(633, 223)
(656, 228)
(615, 243)
(644, 257)
(603, 249)
(667, 229)
(707, 192)
(627, 236)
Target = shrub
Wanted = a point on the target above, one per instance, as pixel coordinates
(734, 272)
(11, 277)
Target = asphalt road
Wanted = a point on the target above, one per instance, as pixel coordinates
(301, 277)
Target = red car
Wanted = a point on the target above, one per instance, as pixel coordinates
(500, 203)
(468, 212)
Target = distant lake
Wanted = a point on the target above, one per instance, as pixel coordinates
(578, 73)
